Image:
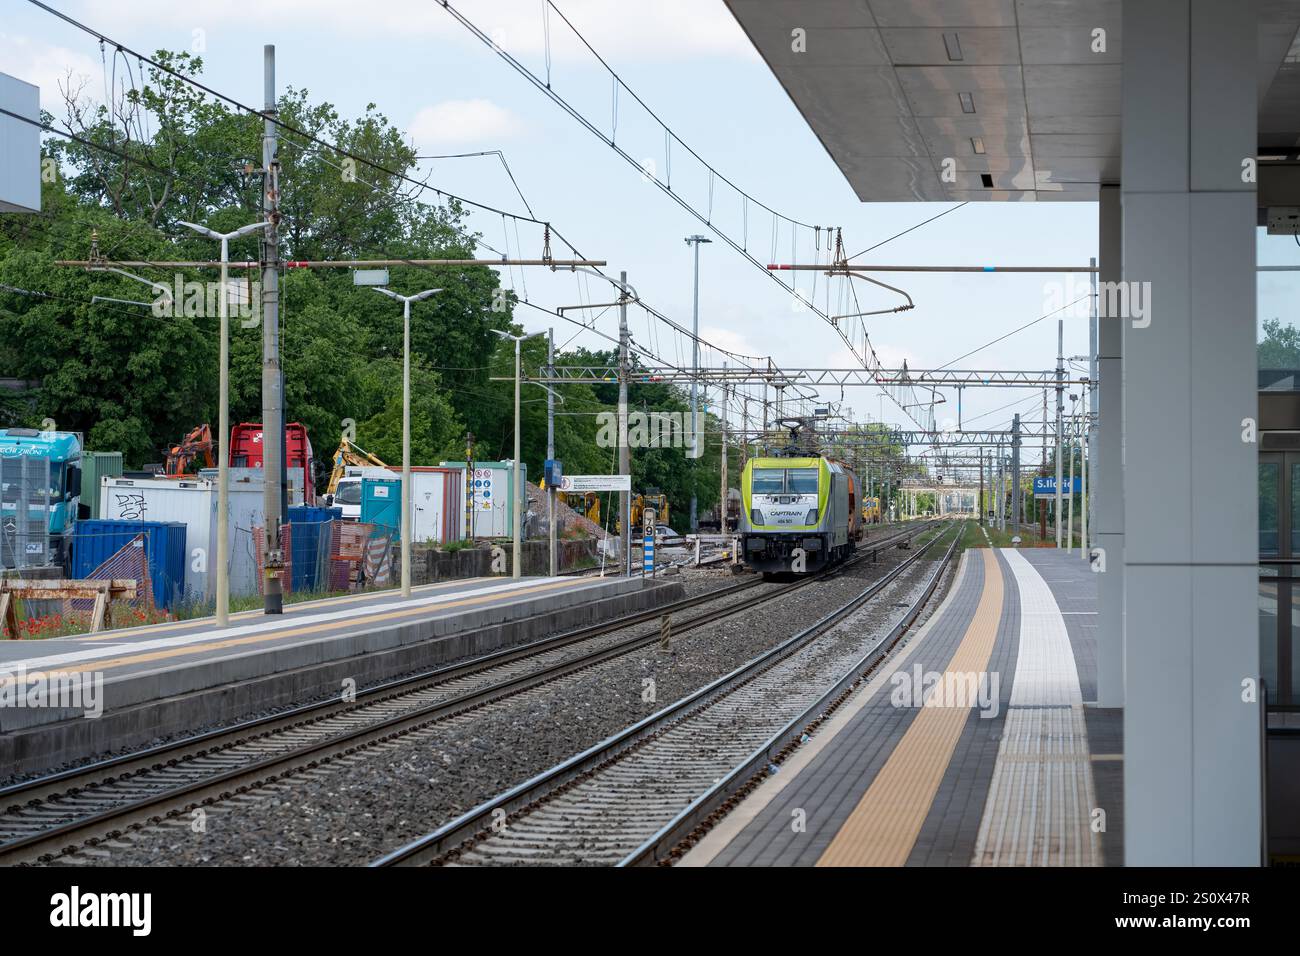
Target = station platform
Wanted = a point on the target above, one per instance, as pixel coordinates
(997, 759)
(169, 678)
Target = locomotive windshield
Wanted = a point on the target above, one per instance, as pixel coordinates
(784, 481)
(768, 481)
(801, 481)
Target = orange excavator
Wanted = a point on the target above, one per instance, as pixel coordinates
(196, 448)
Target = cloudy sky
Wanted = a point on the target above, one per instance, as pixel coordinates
(691, 63)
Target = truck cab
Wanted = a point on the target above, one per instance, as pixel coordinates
(246, 452)
(347, 493)
(40, 490)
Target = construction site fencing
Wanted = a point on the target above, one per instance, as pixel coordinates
(332, 555)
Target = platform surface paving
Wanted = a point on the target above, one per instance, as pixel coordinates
(127, 650)
(971, 747)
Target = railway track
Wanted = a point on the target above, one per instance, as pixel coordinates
(633, 798)
(57, 815)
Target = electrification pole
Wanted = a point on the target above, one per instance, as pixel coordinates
(550, 448)
(695, 375)
(272, 381)
(1015, 475)
(1069, 528)
(624, 453)
(1060, 417)
(1040, 510)
(1086, 434)
(722, 418)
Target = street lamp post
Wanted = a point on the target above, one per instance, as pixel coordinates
(223, 417)
(517, 519)
(406, 301)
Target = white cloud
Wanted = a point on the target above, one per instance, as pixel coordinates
(47, 66)
(730, 340)
(891, 356)
(463, 122)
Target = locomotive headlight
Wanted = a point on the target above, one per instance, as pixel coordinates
(755, 516)
(812, 516)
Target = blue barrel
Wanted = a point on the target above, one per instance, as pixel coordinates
(98, 539)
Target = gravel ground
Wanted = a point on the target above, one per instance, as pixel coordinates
(354, 809)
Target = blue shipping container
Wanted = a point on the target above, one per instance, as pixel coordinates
(99, 539)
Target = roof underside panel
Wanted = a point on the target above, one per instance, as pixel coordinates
(1004, 100)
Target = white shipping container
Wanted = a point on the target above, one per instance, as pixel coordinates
(494, 500)
(245, 475)
(193, 502)
(433, 516)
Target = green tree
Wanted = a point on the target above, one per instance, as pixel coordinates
(1280, 346)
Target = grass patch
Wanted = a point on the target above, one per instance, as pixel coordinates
(451, 547)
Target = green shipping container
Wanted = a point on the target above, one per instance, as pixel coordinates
(94, 466)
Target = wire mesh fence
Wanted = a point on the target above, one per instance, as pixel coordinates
(28, 486)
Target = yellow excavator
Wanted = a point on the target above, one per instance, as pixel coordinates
(639, 504)
(349, 453)
(587, 504)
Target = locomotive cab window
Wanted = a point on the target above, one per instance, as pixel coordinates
(801, 481)
(768, 481)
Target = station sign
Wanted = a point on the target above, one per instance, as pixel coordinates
(1045, 487)
(580, 484)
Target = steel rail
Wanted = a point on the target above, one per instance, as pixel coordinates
(664, 846)
(254, 773)
(478, 822)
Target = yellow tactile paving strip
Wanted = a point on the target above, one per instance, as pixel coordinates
(882, 829)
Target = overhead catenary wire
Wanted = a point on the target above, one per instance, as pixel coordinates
(379, 167)
(907, 230)
(1011, 333)
(560, 101)
(284, 125)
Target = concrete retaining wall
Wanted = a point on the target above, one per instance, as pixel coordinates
(428, 565)
(140, 708)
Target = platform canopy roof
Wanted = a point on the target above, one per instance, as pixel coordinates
(892, 88)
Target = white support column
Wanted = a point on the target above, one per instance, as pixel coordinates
(1108, 465)
(1191, 744)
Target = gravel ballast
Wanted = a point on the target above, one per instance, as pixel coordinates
(355, 808)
